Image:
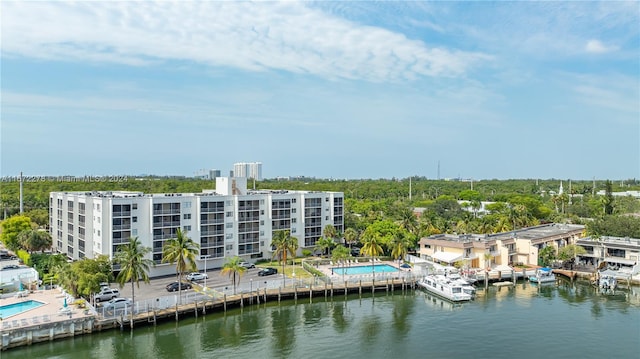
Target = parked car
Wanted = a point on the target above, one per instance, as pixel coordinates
(117, 304)
(10, 267)
(267, 271)
(196, 276)
(173, 286)
(247, 265)
(106, 294)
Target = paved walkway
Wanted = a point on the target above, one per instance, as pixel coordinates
(52, 309)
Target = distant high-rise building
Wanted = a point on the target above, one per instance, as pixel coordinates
(213, 174)
(248, 169)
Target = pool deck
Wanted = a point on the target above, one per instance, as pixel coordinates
(50, 312)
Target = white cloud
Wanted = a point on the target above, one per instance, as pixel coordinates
(597, 47)
(287, 36)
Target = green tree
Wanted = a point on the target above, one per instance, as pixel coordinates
(34, 240)
(570, 252)
(182, 251)
(283, 243)
(329, 231)
(608, 201)
(341, 254)
(350, 236)
(371, 245)
(399, 246)
(546, 256)
(133, 264)
(234, 270)
(325, 245)
(39, 216)
(11, 228)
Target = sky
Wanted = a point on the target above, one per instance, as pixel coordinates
(344, 90)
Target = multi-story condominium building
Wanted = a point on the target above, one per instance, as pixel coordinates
(251, 170)
(618, 253)
(228, 221)
(507, 248)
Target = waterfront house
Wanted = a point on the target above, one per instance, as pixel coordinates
(616, 253)
(507, 248)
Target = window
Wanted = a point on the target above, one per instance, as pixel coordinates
(98, 232)
(293, 200)
(229, 225)
(186, 216)
(326, 218)
(229, 236)
(262, 201)
(293, 230)
(262, 212)
(293, 210)
(229, 247)
(229, 214)
(326, 199)
(261, 243)
(134, 232)
(134, 219)
(262, 233)
(229, 203)
(187, 228)
(294, 220)
(262, 222)
(186, 205)
(134, 206)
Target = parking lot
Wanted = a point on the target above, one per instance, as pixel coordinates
(221, 283)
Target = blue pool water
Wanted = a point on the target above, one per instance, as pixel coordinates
(365, 269)
(9, 310)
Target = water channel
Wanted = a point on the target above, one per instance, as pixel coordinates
(567, 320)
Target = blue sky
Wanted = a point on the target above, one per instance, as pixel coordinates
(324, 89)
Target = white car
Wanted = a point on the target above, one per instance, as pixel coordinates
(247, 265)
(196, 276)
(117, 304)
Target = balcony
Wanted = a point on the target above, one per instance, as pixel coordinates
(212, 221)
(157, 212)
(119, 227)
(122, 214)
(166, 224)
(211, 233)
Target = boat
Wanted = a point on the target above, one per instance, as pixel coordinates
(543, 275)
(607, 280)
(445, 288)
(467, 286)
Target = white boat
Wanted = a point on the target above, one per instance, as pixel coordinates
(607, 280)
(445, 288)
(543, 275)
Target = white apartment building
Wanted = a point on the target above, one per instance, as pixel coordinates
(228, 221)
(251, 170)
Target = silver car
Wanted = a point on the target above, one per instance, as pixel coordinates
(117, 304)
(196, 276)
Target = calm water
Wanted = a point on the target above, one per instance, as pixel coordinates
(523, 322)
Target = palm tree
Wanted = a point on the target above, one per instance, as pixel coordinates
(399, 245)
(330, 231)
(232, 267)
(350, 236)
(133, 264)
(325, 244)
(340, 254)
(283, 243)
(371, 245)
(181, 250)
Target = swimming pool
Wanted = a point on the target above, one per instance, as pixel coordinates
(365, 269)
(9, 310)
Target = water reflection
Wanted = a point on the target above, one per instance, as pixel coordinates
(400, 324)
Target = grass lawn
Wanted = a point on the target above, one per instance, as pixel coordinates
(288, 270)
